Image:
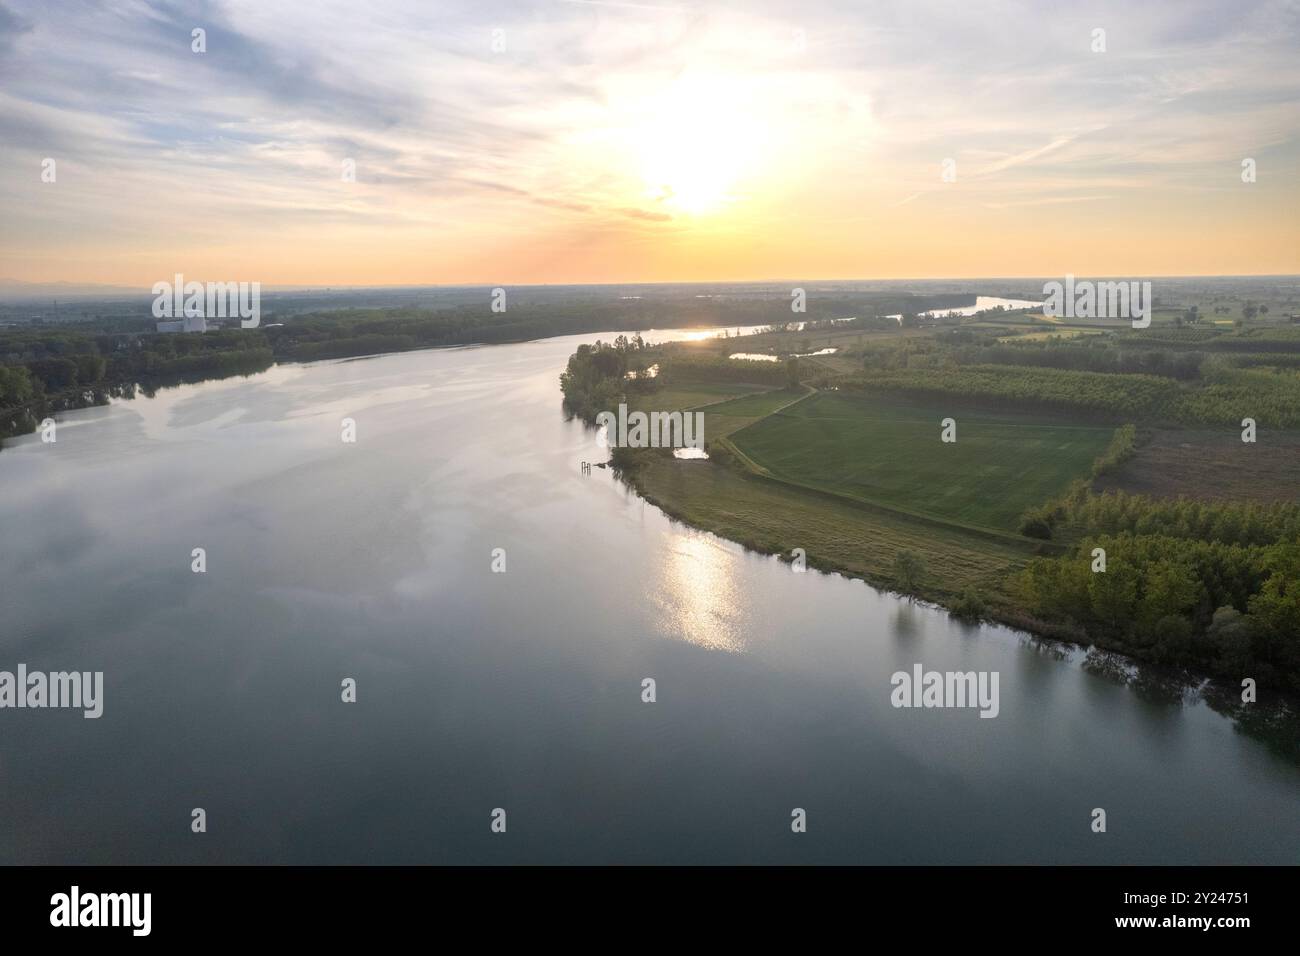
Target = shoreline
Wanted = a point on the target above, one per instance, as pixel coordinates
(1184, 675)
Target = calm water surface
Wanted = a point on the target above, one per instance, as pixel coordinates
(522, 690)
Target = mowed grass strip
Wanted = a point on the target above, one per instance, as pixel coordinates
(888, 451)
(689, 395)
(723, 413)
(835, 533)
(728, 417)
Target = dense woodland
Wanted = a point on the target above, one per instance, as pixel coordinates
(1230, 608)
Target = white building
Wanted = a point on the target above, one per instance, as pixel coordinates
(194, 322)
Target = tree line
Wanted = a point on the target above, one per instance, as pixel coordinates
(1233, 609)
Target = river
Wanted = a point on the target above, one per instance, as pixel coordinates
(476, 690)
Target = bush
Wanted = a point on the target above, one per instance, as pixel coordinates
(909, 569)
(969, 606)
(1034, 525)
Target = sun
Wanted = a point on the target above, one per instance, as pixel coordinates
(692, 169)
(695, 179)
(696, 145)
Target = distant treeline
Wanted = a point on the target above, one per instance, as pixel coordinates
(1099, 381)
(360, 331)
(1282, 339)
(48, 368)
(1180, 365)
(1274, 359)
(55, 370)
(1104, 396)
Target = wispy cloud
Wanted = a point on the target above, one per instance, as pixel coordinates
(483, 130)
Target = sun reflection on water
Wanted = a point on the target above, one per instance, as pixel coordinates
(698, 592)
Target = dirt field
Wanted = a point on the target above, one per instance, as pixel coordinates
(1212, 463)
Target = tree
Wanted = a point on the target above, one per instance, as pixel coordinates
(1172, 590)
(792, 372)
(1113, 594)
(909, 569)
(1229, 638)
(1035, 525)
(969, 606)
(1275, 612)
(15, 385)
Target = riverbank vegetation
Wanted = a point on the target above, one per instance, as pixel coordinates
(1070, 436)
(50, 367)
(1006, 521)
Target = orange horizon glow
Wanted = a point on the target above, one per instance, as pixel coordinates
(631, 144)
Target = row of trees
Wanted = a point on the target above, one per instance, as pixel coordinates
(1269, 396)
(1103, 395)
(1086, 356)
(1271, 339)
(1226, 522)
(1122, 447)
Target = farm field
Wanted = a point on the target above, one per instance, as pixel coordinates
(723, 419)
(836, 533)
(726, 408)
(888, 451)
(1212, 464)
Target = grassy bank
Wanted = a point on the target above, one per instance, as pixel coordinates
(837, 535)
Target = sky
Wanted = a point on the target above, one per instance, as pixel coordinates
(559, 141)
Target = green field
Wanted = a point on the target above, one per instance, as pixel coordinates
(837, 534)
(888, 451)
(691, 395)
(727, 407)
(728, 417)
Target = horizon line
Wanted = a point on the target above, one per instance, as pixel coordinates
(17, 284)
